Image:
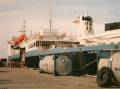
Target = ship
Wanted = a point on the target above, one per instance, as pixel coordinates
(25, 48)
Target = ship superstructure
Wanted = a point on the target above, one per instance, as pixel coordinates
(86, 35)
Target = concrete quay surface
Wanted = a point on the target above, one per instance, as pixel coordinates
(27, 78)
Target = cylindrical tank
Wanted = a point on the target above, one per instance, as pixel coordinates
(76, 64)
(47, 64)
(63, 65)
(103, 63)
(116, 65)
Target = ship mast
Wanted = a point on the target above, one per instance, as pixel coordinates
(50, 15)
(23, 27)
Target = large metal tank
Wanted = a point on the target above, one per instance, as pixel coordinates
(75, 64)
(106, 65)
(116, 65)
(63, 65)
(47, 64)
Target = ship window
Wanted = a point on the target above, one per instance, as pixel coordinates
(37, 43)
(87, 23)
(34, 44)
(87, 28)
(90, 24)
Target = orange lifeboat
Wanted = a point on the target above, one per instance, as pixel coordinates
(19, 39)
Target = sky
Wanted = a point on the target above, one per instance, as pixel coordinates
(35, 12)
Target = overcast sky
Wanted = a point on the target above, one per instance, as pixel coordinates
(35, 12)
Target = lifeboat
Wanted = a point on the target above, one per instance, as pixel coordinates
(18, 40)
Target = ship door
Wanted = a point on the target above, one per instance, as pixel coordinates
(22, 55)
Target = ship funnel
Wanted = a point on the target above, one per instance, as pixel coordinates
(85, 25)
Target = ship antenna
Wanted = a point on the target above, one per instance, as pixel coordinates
(50, 14)
(23, 27)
